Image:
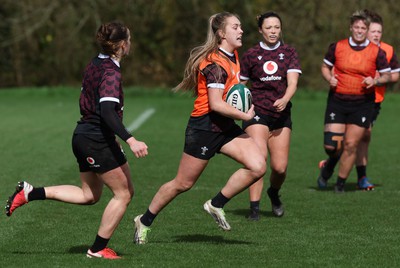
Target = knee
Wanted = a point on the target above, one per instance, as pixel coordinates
(124, 197)
(279, 172)
(259, 169)
(127, 196)
(183, 186)
(91, 200)
(333, 143)
(350, 147)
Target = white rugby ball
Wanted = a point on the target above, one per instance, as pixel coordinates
(239, 96)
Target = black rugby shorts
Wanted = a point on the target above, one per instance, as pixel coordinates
(375, 113)
(205, 144)
(359, 114)
(271, 122)
(96, 153)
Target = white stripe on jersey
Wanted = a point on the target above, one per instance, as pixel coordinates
(216, 85)
(109, 99)
(327, 62)
(294, 71)
(244, 78)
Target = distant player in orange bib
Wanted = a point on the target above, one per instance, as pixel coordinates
(211, 71)
(351, 98)
(375, 35)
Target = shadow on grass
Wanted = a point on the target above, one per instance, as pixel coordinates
(79, 249)
(348, 187)
(199, 238)
(82, 249)
(245, 212)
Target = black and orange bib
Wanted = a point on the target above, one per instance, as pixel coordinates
(380, 91)
(201, 105)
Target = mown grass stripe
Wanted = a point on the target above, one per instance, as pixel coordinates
(141, 119)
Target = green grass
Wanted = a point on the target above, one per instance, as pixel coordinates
(319, 229)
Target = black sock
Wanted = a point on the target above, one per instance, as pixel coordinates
(37, 194)
(273, 191)
(148, 218)
(99, 244)
(255, 205)
(219, 200)
(273, 194)
(361, 172)
(340, 181)
(330, 166)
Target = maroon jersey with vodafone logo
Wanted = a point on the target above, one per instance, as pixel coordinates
(267, 68)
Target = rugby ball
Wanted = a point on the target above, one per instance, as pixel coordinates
(239, 96)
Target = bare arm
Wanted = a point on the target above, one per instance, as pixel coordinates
(383, 78)
(328, 75)
(292, 78)
(394, 77)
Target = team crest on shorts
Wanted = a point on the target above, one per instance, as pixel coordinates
(204, 150)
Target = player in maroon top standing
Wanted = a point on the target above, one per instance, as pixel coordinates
(273, 69)
(98, 153)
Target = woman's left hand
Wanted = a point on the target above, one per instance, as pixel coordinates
(368, 81)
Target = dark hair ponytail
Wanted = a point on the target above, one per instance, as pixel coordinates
(109, 35)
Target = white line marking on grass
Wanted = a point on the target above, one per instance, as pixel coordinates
(141, 119)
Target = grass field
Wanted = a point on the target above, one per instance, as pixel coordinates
(319, 229)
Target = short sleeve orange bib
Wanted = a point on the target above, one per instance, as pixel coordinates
(380, 91)
(201, 105)
(351, 67)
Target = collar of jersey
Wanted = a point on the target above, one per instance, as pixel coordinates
(103, 56)
(264, 46)
(353, 44)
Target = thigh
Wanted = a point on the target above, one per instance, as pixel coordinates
(118, 179)
(278, 147)
(92, 186)
(353, 134)
(336, 128)
(260, 134)
(190, 169)
(244, 150)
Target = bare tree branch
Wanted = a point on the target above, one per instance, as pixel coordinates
(40, 16)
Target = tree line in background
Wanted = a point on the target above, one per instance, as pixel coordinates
(49, 42)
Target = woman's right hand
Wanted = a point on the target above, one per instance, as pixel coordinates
(138, 148)
(250, 113)
(333, 81)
